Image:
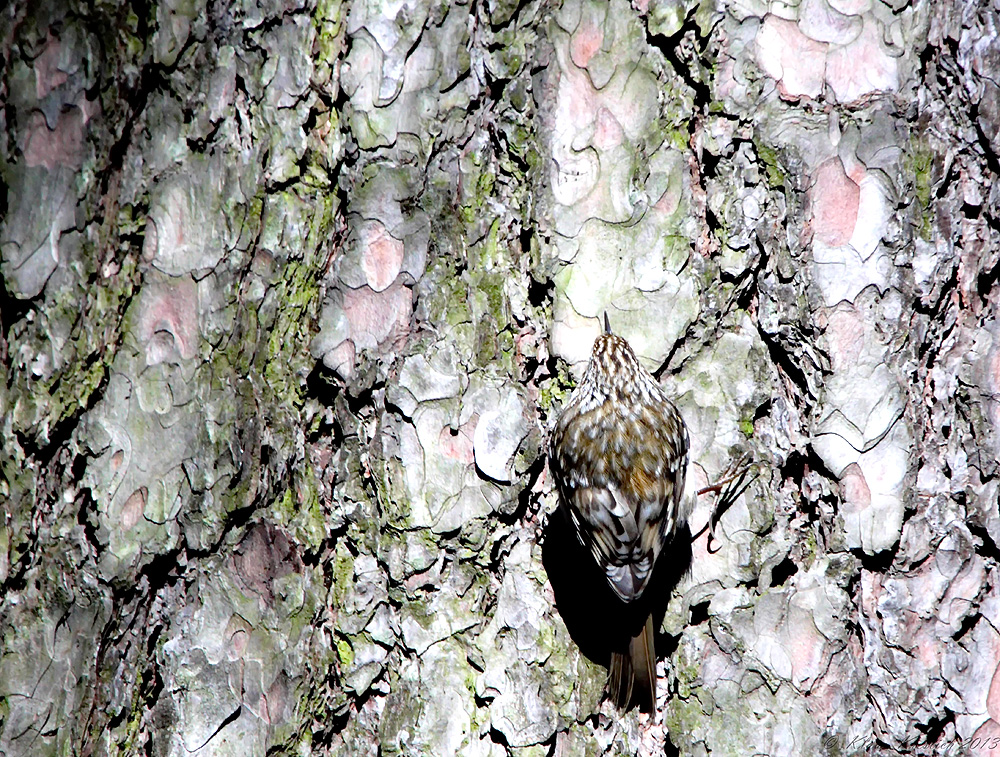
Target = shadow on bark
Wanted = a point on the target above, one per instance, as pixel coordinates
(597, 620)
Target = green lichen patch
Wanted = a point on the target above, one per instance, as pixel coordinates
(918, 162)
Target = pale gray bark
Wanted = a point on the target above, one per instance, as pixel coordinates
(292, 292)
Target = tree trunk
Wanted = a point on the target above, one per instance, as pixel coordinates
(292, 293)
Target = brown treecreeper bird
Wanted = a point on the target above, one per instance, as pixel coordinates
(619, 455)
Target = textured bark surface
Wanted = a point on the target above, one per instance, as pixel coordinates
(291, 293)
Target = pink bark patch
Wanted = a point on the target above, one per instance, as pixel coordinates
(871, 590)
(609, 132)
(274, 704)
(382, 258)
(994, 372)
(341, 358)
(580, 98)
(834, 199)
(985, 742)
(726, 79)
(168, 320)
(787, 55)
(238, 642)
(857, 495)
(862, 67)
(806, 648)
(133, 508)
(819, 21)
(62, 146)
(587, 40)
(48, 76)
(845, 334)
(993, 697)
(458, 446)
(850, 7)
(264, 555)
(925, 646)
(993, 383)
(376, 317)
(669, 201)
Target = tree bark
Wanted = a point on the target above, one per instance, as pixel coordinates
(292, 292)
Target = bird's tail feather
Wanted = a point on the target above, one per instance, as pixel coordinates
(634, 672)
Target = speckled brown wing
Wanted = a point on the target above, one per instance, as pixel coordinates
(621, 473)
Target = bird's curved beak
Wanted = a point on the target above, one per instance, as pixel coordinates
(607, 323)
